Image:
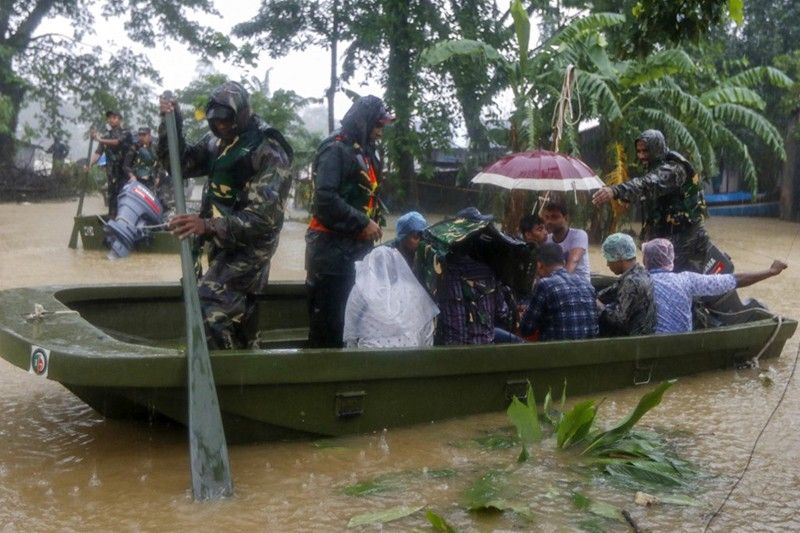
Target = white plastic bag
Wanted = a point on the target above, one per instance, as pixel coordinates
(387, 306)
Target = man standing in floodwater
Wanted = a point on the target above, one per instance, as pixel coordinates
(248, 168)
(115, 144)
(672, 200)
(346, 216)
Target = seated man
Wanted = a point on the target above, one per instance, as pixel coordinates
(674, 291)
(574, 242)
(633, 310)
(473, 302)
(409, 233)
(562, 305)
(387, 306)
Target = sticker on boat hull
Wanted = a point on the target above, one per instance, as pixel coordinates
(40, 361)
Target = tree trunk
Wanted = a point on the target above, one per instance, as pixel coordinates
(14, 92)
(331, 92)
(399, 85)
(790, 179)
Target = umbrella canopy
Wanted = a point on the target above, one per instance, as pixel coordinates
(540, 170)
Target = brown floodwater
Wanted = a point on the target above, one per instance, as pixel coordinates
(63, 467)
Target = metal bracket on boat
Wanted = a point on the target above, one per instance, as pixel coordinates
(39, 312)
(518, 388)
(640, 370)
(350, 403)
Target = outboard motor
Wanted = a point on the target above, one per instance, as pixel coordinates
(137, 207)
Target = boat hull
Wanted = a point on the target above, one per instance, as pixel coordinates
(118, 349)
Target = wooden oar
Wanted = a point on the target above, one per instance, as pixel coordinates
(211, 471)
(73, 239)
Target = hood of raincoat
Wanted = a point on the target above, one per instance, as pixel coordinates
(229, 100)
(656, 146)
(363, 115)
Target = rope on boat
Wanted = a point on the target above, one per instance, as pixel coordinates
(39, 312)
(755, 444)
(754, 360)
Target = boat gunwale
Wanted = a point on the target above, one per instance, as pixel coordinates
(307, 365)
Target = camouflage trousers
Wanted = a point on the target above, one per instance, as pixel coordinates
(228, 295)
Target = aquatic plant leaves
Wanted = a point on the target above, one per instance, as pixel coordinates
(439, 523)
(606, 510)
(575, 424)
(371, 486)
(646, 403)
(383, 516)
(526, 420)
(646, 473)
(490, 493)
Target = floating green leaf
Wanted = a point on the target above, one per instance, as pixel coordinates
(439, 523)
(646, 473)
(371, 486)
(605, 510)
(382, 516)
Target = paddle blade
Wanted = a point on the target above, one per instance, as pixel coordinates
(211, 471)
(208, 452)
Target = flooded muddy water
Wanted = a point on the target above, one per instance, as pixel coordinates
(63, 467)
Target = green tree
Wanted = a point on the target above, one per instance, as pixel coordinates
(55, 69)
(284, 25)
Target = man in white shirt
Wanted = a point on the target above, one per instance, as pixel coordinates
(574, 242)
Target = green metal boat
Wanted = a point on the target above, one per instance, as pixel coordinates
(119, 349)
(92, 232)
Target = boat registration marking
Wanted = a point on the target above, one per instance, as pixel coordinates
(39, 361)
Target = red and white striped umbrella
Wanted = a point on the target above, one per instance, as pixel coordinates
(540, 170)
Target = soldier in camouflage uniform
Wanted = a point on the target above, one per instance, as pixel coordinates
(672, 200)
(628, 306)
(115, 144)
(247, 164)
(140, 161)
(346, 216)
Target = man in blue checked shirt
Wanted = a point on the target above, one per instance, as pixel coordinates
(562, 305)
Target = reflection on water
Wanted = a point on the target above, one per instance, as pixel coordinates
(64, 467)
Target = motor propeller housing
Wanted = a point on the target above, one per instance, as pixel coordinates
(137, 208)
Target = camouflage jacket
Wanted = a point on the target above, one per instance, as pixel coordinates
(115, 155)
(248, 181)
(633, 310)
(671, 191)
(141, 161)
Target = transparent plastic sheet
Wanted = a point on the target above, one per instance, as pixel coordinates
(387, 306)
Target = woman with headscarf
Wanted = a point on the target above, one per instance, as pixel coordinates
(674, 291)
(387, 306)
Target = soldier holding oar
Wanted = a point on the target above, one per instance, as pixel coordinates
(247, 164)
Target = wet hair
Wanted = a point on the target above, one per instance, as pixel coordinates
(556, 206)
(550, 254)
(529, 222)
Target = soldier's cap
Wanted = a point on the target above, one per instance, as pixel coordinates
(472, 213)
(112, 113)
(144, 131)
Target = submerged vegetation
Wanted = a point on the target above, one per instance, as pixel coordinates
(622, 456)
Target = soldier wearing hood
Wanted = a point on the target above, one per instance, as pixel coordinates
(672, 200)
(346, 216)
(248, 168)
